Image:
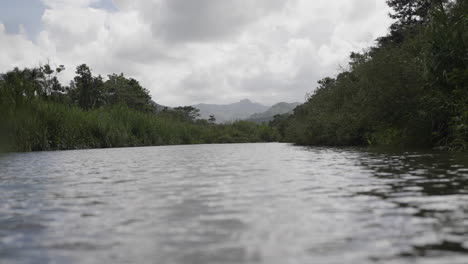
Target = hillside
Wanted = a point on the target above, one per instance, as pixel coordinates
(230, 112)
(277, 109)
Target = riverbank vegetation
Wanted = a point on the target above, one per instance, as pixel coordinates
(411, 89)
(38, 113)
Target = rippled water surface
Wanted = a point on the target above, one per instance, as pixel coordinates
(246, 203)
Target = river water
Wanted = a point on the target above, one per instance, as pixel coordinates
(241, 203)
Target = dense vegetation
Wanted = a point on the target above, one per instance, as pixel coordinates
(409, 90)
(38, 113)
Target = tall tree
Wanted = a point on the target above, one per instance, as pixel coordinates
(188, 113)
(212, 119)
(409, 14)
(87, 90)
(21, 86)
(120, 90)
(49, 80)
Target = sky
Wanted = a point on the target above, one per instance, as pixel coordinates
(195, 51)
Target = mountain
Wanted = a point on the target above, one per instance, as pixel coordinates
(230, 112)
(277, 109)
(157, 107)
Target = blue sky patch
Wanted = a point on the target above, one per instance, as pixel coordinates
(28, 13)
(105, 4)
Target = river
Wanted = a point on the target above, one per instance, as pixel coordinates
(239, 203)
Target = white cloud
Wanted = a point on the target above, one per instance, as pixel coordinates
(187, 52)
(17, 51)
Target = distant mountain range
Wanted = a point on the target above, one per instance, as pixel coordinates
(230, 112)
(277, 109)
(244, 110)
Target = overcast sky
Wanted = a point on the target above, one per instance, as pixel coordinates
(195, 51)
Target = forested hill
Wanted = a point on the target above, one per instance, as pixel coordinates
(244, 110)
(230, 112)
(411, 89)
(277, 109)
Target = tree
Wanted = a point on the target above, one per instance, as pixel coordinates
(188, 113)
(21, 86)
(49, 80)
(87, 90)
(409, 15)
(446, 63)
(212, 119)
(409, 12)
(51, 86)
(280, 122)
(119, 89)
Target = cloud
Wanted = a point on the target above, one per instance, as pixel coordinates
(17, 51)
(201, 20)
(217, 51)
(206, 20)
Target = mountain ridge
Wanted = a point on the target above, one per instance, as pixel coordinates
(243, 110)
(230, 112)
(280, 108)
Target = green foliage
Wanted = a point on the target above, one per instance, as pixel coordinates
(87, 91)
(411, 92)
(53, 126)
(186, 113)
(39, 114)
(411, 12)
(212, 119)
(120, 90)
(51, 87)
(20, 86)
(411, 16)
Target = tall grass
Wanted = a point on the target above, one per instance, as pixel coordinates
(42, 125)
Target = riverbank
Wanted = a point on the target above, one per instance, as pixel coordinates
(39, 113)
(410, 89)
(42, 126)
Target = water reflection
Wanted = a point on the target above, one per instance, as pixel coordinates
(244, 203)
(433, 188)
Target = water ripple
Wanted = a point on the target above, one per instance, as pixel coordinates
(240, 203)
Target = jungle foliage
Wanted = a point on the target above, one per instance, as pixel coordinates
(38, 113)
(411, 89)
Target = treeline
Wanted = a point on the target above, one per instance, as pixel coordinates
(39, 113)
(411, 89)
